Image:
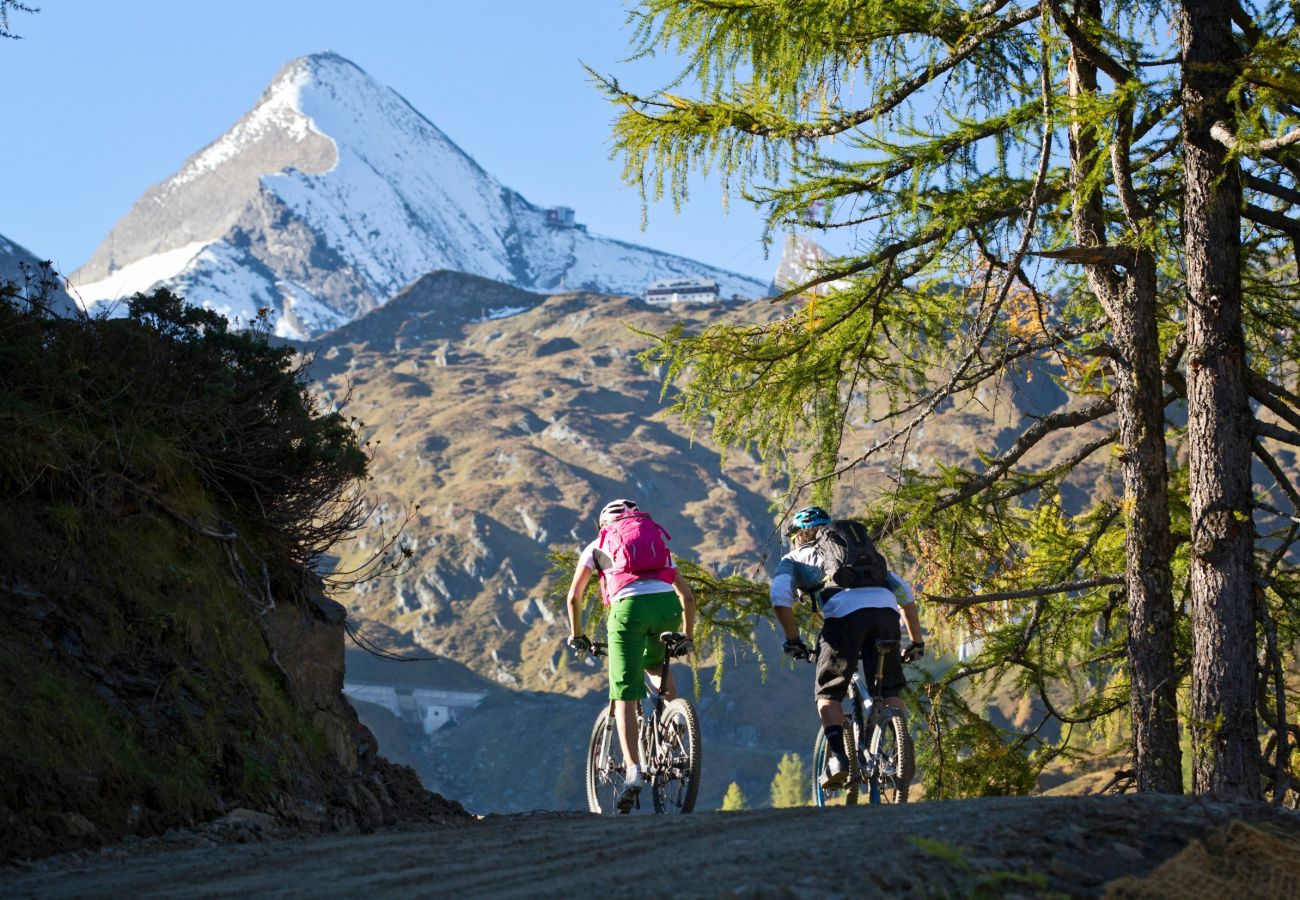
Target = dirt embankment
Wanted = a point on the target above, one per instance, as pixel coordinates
(1004, 847)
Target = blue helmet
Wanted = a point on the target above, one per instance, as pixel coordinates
(809, 517)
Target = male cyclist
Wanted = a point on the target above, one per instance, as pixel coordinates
(644, 603)
(853, 619)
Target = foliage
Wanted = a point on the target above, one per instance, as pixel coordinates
(170, 401)
(996, 212)
(8, 6)
(163, 480)
(790, 784)
(734, 799)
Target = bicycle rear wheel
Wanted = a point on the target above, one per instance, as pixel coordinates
(894, 756)
(849, 793)
(676, 777)
(604, 773)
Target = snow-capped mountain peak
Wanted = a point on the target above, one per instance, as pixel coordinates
(331, 195)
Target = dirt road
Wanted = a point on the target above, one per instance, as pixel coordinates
(993, 847)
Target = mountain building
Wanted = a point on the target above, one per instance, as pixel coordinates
(669, 291)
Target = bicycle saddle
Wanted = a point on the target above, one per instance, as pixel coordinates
(886, 646)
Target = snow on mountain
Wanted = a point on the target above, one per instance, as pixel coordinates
(330, 196)
(801, 261)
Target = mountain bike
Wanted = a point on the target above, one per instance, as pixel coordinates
(669, 739)
(876, 740)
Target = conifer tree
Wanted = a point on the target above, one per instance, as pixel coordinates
(790, 784)
(734, 799)
(1011, 179)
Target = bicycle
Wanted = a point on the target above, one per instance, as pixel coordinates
(888, 764)
(670, 751)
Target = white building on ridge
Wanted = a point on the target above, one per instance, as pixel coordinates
(427, 708)
(682, 290)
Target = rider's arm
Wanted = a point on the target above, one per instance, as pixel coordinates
(688, 603)
(913, 621)
(581, 575)
(907, 603)
(782, 593)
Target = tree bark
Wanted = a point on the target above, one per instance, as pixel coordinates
(1129, 300)
(1225, 742)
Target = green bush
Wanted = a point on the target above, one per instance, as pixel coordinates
(141, 406)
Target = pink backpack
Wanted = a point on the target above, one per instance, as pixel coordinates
(638, 547)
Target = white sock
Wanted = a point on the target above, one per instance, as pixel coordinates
(633, 774)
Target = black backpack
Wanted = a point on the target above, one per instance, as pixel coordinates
(849, 557)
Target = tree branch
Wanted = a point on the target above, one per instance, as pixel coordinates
(1277, 433)
(905, 90)
(1271, 219)
(1223, 134)
(1264, 186)
(1084, 45)
(1039, 430)
(1066, 588)
(1283, 481)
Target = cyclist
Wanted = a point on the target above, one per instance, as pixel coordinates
(853, 620)
(643, 603)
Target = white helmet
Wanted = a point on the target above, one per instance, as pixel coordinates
(615, 508)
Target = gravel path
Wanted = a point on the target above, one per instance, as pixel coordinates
(1019, 846)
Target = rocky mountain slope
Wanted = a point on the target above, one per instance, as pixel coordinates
(19, 265)
(330, 196)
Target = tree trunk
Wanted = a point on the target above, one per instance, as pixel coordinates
(1225, 742)
(1130, 304)
(1139, 388)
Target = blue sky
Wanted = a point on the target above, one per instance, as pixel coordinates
(106, 98)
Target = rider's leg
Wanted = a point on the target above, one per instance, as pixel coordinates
(625, 717)
(663, 612)
(668, 689)
(839, 647)
(838, 651)
(626, 682)
(892, 679)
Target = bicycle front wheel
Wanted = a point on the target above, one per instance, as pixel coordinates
(849, 793)
(676, 777)
(893, 755)
(604, 773)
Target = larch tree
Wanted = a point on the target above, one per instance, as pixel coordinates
(1006, 185)
(790, 785)
(734, 799)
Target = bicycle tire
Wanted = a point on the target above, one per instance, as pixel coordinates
(894, 755)
(604, 782)
(676, 780)
(850, 791)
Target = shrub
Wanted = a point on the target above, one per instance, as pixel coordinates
(142, 406)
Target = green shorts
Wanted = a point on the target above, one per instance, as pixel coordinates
(635, 624)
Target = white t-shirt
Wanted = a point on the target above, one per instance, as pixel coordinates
(592, 555)
(800, 569)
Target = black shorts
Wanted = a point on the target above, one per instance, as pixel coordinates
(847, 639)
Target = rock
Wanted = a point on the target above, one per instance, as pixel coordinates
(77, 825)
(246, 820)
